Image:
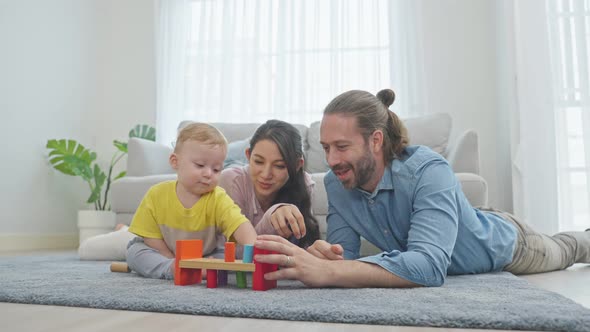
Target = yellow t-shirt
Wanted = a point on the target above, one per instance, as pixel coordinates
(161, 215)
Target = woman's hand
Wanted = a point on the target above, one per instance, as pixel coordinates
(287, 220)
(295, 263)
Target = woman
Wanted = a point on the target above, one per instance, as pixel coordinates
(272, 191)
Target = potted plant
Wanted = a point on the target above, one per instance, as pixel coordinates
(72, 158)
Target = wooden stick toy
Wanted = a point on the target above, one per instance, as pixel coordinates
(189, 262)
(120, 267)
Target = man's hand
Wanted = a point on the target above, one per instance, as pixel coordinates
(324, 250)
(287, 220)
(295, 263)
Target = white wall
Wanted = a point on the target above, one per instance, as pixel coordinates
(68, 69)
(84, 69)
(462, 77)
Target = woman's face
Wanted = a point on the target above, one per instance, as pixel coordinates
(268, 170)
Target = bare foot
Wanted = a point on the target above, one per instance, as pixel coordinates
(119, 226)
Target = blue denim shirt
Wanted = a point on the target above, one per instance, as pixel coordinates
(419, 216)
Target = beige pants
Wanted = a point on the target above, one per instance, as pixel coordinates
(536, 252)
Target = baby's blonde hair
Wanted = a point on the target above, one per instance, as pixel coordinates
(200, 132)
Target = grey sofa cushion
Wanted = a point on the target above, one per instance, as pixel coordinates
(315, 161)
(148, 163)
(236, 153)
(432, 130)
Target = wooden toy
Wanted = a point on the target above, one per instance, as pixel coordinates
(230, 251)
(187, 249)
(189, 262)
(241, 279)
(120, 267)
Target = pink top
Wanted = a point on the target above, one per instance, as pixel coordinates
(237, 183)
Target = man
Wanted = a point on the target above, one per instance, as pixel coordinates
(406, 201)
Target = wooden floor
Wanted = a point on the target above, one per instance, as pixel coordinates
(572, 283)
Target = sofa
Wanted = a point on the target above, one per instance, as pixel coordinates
(147, 163)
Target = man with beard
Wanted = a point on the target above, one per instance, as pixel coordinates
(406, 201)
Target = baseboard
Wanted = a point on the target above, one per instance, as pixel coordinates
(24, 242)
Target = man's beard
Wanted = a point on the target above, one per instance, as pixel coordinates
(363, 170)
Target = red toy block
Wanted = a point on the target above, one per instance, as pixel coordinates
(258, 281)
(211, 278)
(186, 249)
(230, 251)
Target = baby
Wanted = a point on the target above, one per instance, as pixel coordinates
(192, 207)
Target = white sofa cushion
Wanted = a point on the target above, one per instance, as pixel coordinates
(432, 130)
(128, 192)
(147, 158)
(151, 158)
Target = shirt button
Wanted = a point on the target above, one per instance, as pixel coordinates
(385, 232)
(371, 201)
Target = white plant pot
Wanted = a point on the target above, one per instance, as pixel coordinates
(93, 222)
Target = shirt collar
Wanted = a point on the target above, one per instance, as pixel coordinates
(386, 183)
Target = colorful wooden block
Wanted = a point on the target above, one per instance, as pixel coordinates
(230, 251)
(221, 278)
(211, 278)
(187, 249)
(248, 253)
(258, 281)
(241, 280)
(189, 263)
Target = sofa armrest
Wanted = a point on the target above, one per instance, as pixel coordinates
(474, 187)
(127, 192)
(319, 202)
(463, 155)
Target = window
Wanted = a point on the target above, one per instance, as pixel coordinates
(569, 31)
(249, 61)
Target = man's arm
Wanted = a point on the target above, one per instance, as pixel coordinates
(352, 274)
(317, 272)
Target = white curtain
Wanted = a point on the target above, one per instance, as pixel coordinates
(173, 23)
(552, 154)
(252, 60)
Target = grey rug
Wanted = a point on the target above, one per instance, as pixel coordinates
(493, 301)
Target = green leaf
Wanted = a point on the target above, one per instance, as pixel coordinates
(120, 175)
(122, 146)
(70, 157)
(79, 167)
(143, 131)
(94, 195)
(99, 176)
